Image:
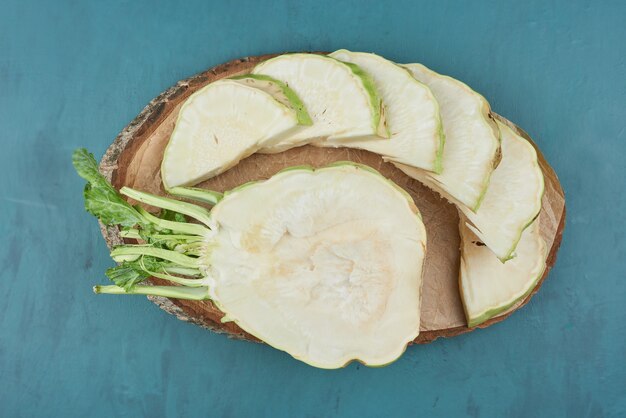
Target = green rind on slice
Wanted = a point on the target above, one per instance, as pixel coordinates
(280, 91)
(472, 137)
(489, 287)
(512, 201)
(241, 187)
(340, 98)
(413, 114)
(372, 170)
(379, 122)
(221, 124)
(438, 168)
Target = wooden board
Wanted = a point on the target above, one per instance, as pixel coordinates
(134, 160)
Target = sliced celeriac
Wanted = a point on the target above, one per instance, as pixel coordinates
(412, 114)
(225, 122)
(279, 91)
(512, 201)
(489, 287)
(472, 137)
(340, 98)
(328, 267)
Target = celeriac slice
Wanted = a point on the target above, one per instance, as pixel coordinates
(512, 200)
(412, 114)
(325, 264)
(328, 268)
(472, 137)
(225, 122)
(489, 287)
(340, 98)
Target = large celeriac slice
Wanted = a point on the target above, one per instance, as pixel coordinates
(328, 268)
(341, 99)
(225, 122)
(325, 264)
(489, 287)
(472, 137)
(512, 201)
(412, 114)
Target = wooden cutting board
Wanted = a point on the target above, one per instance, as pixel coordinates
(134, 160)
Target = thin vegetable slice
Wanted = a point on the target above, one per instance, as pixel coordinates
(512, 201)
(226, 121)
(328, 268)
(279, 91)
(472, 137)
(489, 287)
(340, 98)
(412, 114)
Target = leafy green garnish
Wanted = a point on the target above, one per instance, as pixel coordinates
(126, 275)
(170, 245)
(101, 199)
(130, 273)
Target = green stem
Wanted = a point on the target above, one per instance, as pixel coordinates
(197, 252)
(196, 282)
(194, 246)
(174, 237)
(130, 233)
(179, 227)
(178, 292)
(189, 209)
(182, 270)
(175, 279)
(195, 193)
(122, 253)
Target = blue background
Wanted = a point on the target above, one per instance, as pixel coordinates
(74, 73)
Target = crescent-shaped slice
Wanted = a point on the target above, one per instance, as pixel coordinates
(489, 287)
(472, 137)
(412, 114)
(225, 122)
(512, 201)
(341, 99)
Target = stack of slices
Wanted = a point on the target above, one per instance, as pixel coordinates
(326, 264)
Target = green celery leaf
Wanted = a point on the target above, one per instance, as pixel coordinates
(131, 273)
(101, 198)
(126, 276)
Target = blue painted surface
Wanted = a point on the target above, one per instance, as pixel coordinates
(75, 73)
